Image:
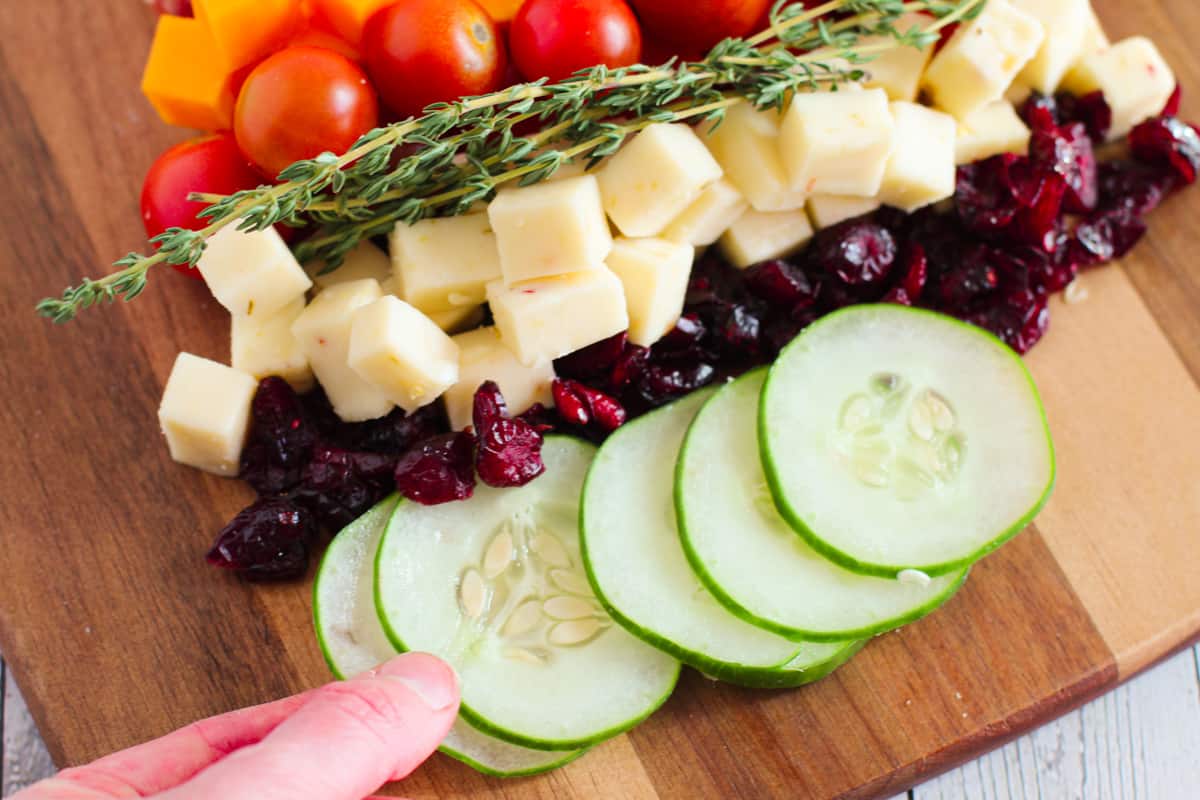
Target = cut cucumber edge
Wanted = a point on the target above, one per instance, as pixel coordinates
(848, 561)
(385, 508)
(797, 673)
(485, 725)
(740, 611)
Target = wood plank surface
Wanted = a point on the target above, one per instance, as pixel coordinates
(116, 632)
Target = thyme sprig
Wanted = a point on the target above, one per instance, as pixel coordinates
(457, 154)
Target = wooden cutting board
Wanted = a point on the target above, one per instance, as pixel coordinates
(117, 632)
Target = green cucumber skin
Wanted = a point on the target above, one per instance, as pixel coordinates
(844, 559)
(486, 726)
(738, 674)
(794, 678)
(397, 501)
(744, 614)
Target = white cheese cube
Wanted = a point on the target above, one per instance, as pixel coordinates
(827, 210)
(982, 58)
(703, 222)
(837, 142)
(403, 352)
(898, 70)
(323, 330)
(762, 235)
(205, 413)
(1134, 77)
(1065, 23)
(364, 261)
(990, 131)
(458, 320)
(251, 272)
(654, 177)
(446, 263)
(264, 345)
(1095, 40)
(921, 169)
(746, 145)
(542, 320)
(483, 357)
(654, 273)
(1017, 94)
(551, 228)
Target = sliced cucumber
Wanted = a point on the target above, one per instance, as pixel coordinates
(495, 586)
(898, 439)
(353, 641)
(638, 569)
(748, 556)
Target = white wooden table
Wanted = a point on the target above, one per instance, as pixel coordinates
(1140, 741)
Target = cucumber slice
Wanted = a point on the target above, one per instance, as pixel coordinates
(495, 586)
(353, 641)
(637, 566)
(899, 439)
(748, 556)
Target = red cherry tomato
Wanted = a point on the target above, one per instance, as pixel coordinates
(554, 38)
(176, 8)
(697, 25)
(429, 51)
(299, 103)
(211, 164)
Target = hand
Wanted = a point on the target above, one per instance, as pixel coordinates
(339, 742)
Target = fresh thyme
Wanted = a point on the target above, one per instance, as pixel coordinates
(457, 154)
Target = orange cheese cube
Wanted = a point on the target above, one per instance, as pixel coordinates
(247, 31)
(348, 17)
(312, 35)
(185, 80)
(502, 10)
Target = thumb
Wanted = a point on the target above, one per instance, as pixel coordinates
(345, 742)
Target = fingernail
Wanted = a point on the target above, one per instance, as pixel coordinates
(431, 680)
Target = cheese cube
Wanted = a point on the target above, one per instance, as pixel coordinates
(550, 228)
(348, 17)
(364, 261)
(205, 413)
(837, 142)
(1095, 40)
(746, 145)
(921, 168)
(483, 357)
(898, 70)
(323, 330)
(251, 272)
(703, 222)
(263, 345)
(827, 210)
(545, 319)
(445, 264)
(654, 273)
(1065, 23)
(763, 235)
(400, 350)
(1017, 94)
(185, 80)
(458, 320)
(990, 131)
(1134, 77)
(247, 31)
(982, 58)
(654, 177)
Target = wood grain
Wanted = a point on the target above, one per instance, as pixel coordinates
(116, 632)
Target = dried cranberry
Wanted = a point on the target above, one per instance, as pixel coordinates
(629, 366)
(660, 383)
(1171, 109)
(581, 405)
(1092, 110)
(1068, 152)
(267, 541)
(1019, 318)
(1170, 143)
(685, 337)
(782, 284)
(859, 252)
(396, 432)
(509, 450)
(781, 330)
(280, 438)
(594, 360)
(1106, 235)
(1038, 225)
(984, 195)
(339, 485)
(1133, 186)
(974, 277)
(542, 419)
(1040, 111)
(912, 284)
(438, 470)
(740, 331)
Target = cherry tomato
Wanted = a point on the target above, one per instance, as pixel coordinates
(299, 103)
(211, 164)
(429, 51)
(697, 25)
(176, 8)
(554, 38)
